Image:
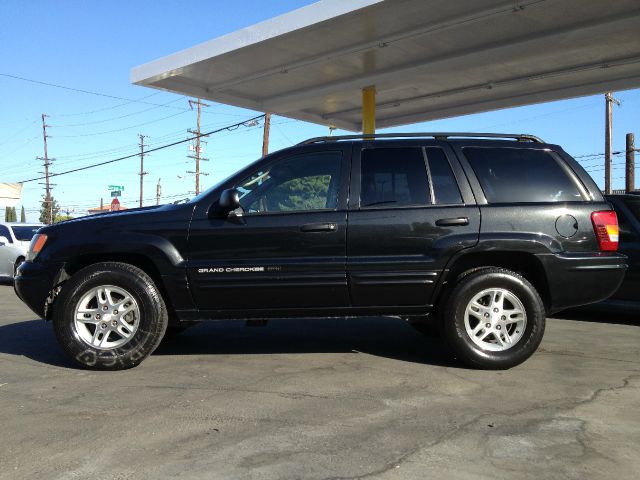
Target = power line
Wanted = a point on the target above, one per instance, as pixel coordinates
(91, 112)
(87, 167)
(120, 129)
(79, 90)
(117, 118)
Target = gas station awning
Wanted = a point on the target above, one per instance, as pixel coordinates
(427, 59)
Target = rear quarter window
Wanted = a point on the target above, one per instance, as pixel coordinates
(519, 175)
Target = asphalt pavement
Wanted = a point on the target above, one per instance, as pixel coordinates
(322, 399)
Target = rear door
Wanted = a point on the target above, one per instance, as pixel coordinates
(410, 210)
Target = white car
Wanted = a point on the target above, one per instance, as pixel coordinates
(14, 243)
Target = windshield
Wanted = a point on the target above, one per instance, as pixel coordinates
(25, 233)
(210, 189)
(633, 204)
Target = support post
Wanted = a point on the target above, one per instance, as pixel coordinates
(607, 143)
(369, 110)
(630, 164)
(265, 134)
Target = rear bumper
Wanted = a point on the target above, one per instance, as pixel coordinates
(579, 279)
(33, 283)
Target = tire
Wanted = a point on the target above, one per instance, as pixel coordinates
(503, 339)
(19, 262)
(90, 329)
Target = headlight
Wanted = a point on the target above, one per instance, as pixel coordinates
(36, 245)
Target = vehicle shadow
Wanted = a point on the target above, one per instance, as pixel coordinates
(6, 281)
(603, 313)
(32, 339)
(380, 336)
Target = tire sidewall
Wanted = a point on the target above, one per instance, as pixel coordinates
(151, 326)
(456, 332)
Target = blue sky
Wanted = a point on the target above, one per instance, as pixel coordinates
(93, 45)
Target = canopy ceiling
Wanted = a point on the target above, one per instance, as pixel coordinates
(428, 59)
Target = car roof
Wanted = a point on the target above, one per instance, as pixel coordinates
(19, 224)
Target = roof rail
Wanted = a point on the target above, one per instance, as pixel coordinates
(520, 137)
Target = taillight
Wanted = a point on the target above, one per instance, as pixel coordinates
(605, 224)
(37, 242)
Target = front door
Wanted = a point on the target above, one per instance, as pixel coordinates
(411, 209)
(286, 249)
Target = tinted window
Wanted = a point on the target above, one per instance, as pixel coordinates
(633, 204)
(445, 187)
(4, 232)
(305, 182)
(521, 175)
(626, 231)
(394, 177)
(24, 233)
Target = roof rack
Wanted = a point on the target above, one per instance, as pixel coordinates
(520, 137)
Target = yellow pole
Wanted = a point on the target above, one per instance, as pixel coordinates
(369, 110)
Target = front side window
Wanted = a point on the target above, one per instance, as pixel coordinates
(520, 175)
(393, 177)
(4, 232)
(300, 183)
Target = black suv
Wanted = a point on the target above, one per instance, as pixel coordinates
(481, 234)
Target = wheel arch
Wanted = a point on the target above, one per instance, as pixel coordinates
(144, 263)
(525, 264)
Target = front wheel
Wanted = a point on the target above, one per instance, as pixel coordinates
(494, 319)
(109, 316)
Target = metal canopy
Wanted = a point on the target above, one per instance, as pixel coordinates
(428, 59)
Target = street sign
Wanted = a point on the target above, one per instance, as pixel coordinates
(115, 205)
(116, 193)
(116, 187)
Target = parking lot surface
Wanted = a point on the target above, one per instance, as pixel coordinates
(321, 399)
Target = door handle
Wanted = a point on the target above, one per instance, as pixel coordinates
(452, 222)
(319, 227)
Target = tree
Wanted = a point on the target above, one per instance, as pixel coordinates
(44, 210)
(62, 218)
(10, 214)
(23, 216)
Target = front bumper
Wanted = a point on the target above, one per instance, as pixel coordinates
(579, 279)
(33, 284)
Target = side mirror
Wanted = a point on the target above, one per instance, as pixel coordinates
(3, 241)
(229, 201)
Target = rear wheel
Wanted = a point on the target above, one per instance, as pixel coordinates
(109, 316)
(494, 318)
(19, 262)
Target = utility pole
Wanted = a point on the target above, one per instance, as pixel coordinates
(46, 161)
(142, 172)
(630, 164)
(265, 133)
(158, 192)
(608, 130)
(197, 143)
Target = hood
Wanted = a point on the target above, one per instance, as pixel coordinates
(125, 217)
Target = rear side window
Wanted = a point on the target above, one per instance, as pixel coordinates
(445, 187)
(634, 206)
(393, 177)
(24, 233)
(509, 175)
